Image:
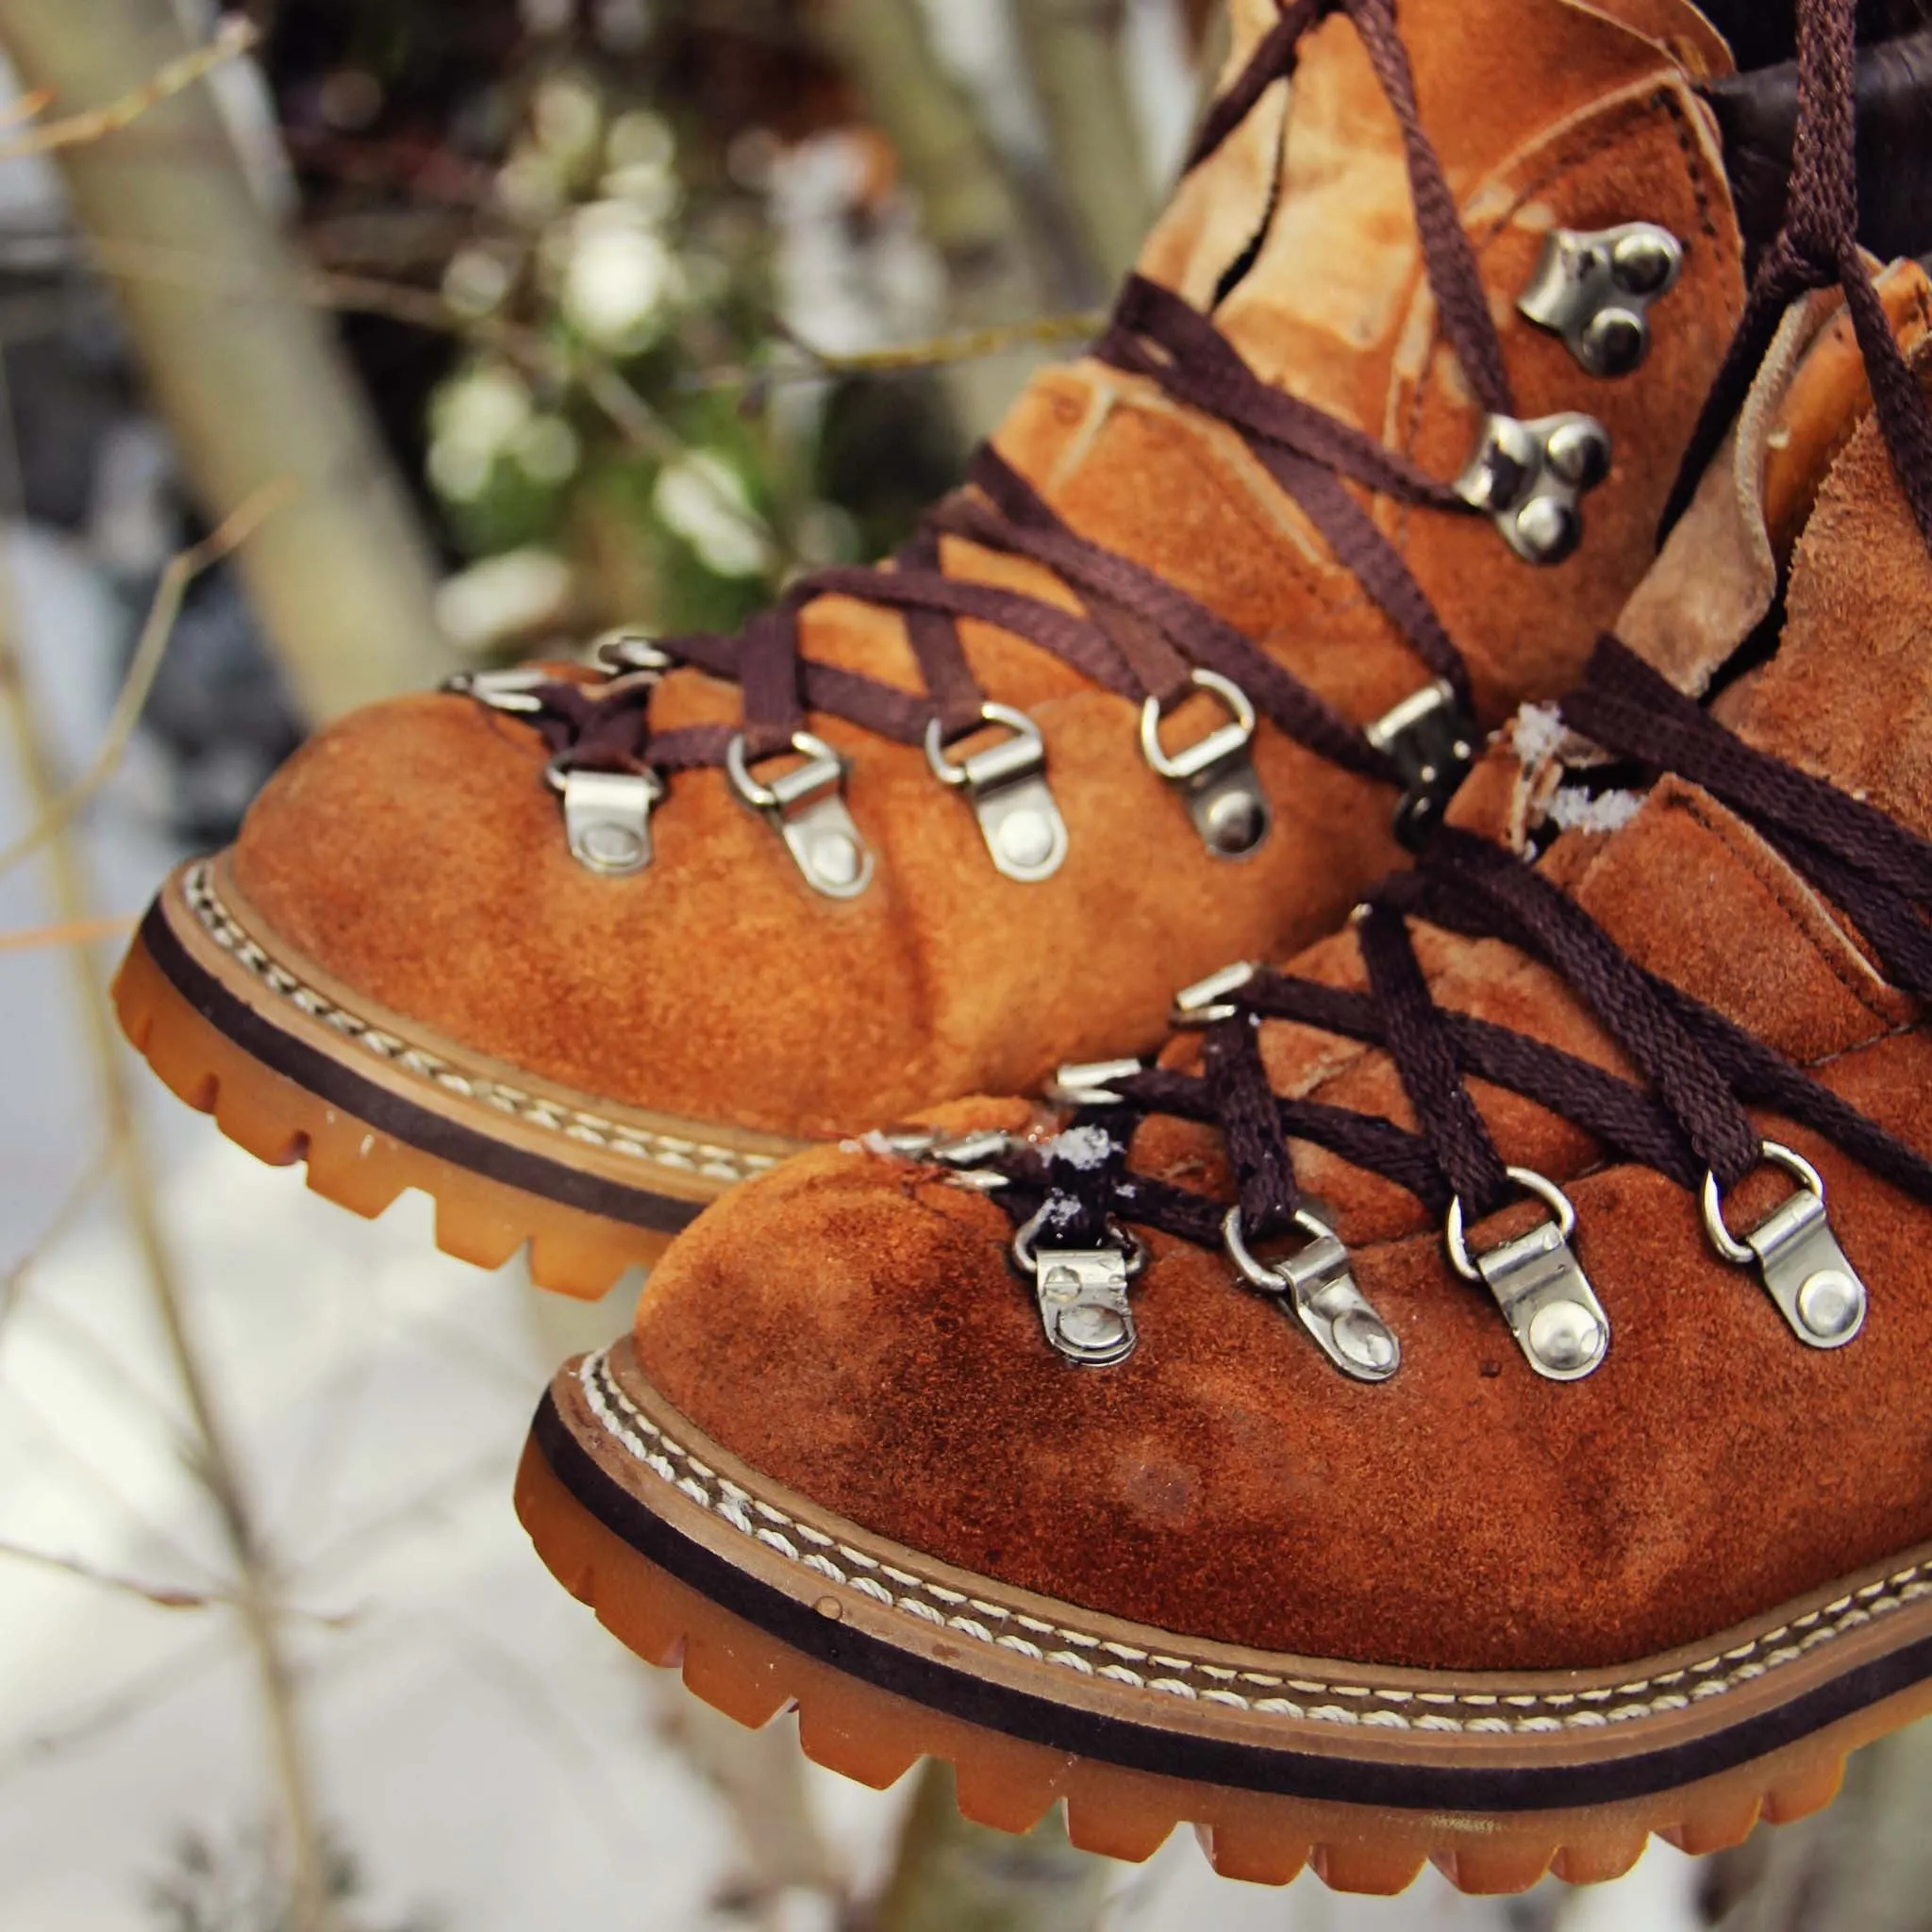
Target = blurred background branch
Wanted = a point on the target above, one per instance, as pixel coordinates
(1073, 56)
(254, 390)
(970, 208)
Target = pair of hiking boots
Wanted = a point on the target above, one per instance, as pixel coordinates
(1451, 1397)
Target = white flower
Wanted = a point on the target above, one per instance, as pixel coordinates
(457, 472)
(649, 186)
(548, 450)
(621, 278)
(703, 500)
(483, 409)
(529, 186)
(476, 281)
(639, 140)
(505, 596)
(566, 114)
(477, 417)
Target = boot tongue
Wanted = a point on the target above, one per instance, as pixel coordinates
(1717, 578)
(1848, 696)
(1333, 290)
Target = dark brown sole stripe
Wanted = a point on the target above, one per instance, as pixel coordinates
(1285, 1772)
(389, 1113)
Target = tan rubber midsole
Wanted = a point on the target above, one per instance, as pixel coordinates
(1052, 1653)
(665, 1155)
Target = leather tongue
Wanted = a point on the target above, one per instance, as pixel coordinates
(1848, 694)
(1717, 577)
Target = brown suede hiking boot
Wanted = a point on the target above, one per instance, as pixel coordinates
(574, 951)
(1465, 1402)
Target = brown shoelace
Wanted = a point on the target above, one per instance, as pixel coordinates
(1687, 1119)
(1701, 1069)
(1137, 635)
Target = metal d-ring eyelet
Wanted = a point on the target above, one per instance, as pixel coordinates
(1206, 1003)
(1319, 1287)
(626, 653)
(1082, 1292)
(501, 690)
(1006, 785)
(606, 816)
(806, 806)
(1538, 1284)
(1215, 776)
(1797, 1257)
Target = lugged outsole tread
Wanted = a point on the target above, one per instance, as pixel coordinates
(357, 1166)
(874, 1735)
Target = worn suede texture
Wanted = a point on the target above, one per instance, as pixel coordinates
(413, 852)
(885, 1358)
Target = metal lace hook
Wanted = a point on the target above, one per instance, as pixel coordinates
(1319, 1287)
(1537, 1283)
(1082, 1292)
(1215, 776)
(1797, 1257)
(606, 815)
(806, 806)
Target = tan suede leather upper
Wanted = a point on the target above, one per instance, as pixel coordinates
(852, 1325)
(415, 855)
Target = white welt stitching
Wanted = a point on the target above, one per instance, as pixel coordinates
(931, 1603)
(620, 1136)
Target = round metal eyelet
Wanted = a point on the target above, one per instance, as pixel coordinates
(1545, 1191)
(1773, 1154)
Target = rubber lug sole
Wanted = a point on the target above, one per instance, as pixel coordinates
(182, 1003)
(875, 1735)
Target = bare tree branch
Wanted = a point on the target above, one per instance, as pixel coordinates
(179, 571)
(952, 1875)
(167, 1678)
(63, 1217)
(235, 36)
(251, 389)
(971, 210)
(165, 1596)
(1073, 56)
(74, 932)
(257, 1600)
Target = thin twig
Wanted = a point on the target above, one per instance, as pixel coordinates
(425, 308)
(234, 37)
(28, 107)
(176, 575)
(60, 1446)
(75, 1198)
(936, 352)
(356, 1544)
(166, 1596)
(93, 1352)
(647, 431)
(173, 1674)
(257, 1605)
(70, 932)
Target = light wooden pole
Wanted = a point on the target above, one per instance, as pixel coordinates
(243, 369)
